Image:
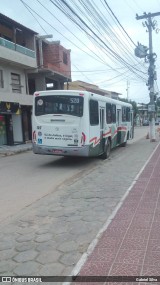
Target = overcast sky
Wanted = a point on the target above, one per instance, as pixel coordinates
(92, 60)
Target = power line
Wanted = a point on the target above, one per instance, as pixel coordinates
(67, 28)
(119, 22)
(59, 32)
(28, 8)
(95, 36)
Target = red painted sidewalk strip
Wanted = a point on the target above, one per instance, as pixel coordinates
(130, 246)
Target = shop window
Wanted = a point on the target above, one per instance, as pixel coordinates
(16, 83)
(93, 112)
(1, 79)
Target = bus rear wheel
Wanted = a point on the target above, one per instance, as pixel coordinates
(107, 150)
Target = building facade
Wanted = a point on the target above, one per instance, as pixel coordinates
(27, 64)
(53, 66)
(17, 55)
(81, 85)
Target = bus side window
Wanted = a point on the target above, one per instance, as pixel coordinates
(108, 113)
(113, 113)
(123, 114)
(128, 117)
(93, 112)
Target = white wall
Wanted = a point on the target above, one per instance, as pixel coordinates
(6, 93)
(17, 128)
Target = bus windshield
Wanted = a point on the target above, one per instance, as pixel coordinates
(59, 104)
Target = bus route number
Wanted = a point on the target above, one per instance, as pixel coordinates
(74, 100)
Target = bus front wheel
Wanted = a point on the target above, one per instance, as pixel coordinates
(107, 150)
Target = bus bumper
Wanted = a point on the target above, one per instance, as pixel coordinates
(61, 151)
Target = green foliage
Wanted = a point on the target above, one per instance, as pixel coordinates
(134, 104)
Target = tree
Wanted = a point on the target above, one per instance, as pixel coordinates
(134, 104)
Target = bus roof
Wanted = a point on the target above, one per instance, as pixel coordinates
(82, 93)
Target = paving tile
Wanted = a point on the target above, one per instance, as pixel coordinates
(70, 258)
(151, 270)
(143, 178)
(137, 189)
(121, 269)
(140, 224)
(26, 268)
(118, 223)
(123, 216)
(147, 205)
(133, 197)
(25, 256)
(143, 217)
(48, 256)
(102, 255)
(154, 244)
(156, 225)
(95, 268)
(137, 233)
(145, 210)
(115, 233)
(155, 234)
(152, 258)
(138, 243)
(126, 211)
(130, 256)
(54, 269)
(109, 242)
(129, 205)
(148, 198)
(157, 212)
(157, 216)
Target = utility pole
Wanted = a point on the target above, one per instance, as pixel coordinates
(151, 70)
(127, 89)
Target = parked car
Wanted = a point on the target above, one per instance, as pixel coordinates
(145, 123)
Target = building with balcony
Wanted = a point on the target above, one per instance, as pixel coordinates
(53, 66)
(17, 56)
(28, 63)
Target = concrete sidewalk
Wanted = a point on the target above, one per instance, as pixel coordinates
(6, 150)
(129, 244)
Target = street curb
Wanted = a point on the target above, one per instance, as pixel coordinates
(10, 153)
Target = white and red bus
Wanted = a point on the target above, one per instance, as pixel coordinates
(79, 123)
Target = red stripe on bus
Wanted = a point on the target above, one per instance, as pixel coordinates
(108, 133)
(121, 129)
(95, 140)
